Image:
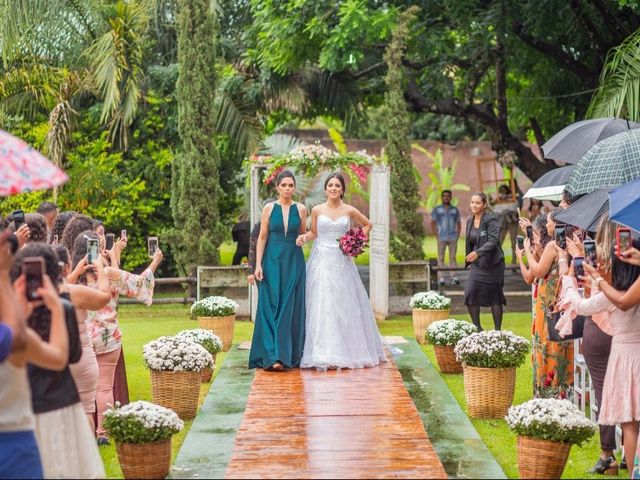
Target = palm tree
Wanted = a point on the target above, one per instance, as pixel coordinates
(619, 92)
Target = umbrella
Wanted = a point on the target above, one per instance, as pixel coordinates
(586, 212)
(608, 164)
(572, 142)
(550, 185)
(24, 169)
(624, 205)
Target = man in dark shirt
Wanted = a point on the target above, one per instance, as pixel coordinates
(240, 234)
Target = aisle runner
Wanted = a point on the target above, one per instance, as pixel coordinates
(347, 424)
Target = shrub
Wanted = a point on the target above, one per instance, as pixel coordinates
(176, 354)
(206, 338)
(141, 422)
(492, 349)
(214, 307)
(430, 300)
(449, 332)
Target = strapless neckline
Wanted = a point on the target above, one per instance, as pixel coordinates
(331, 219)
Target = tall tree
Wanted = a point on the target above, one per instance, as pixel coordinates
(195, 182)
(406, 243)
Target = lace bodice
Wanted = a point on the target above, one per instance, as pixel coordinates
(329, 231)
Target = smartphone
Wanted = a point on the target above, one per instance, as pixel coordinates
(152, 245)
(590, 252)
(33, 269)
(520, 242)
(110, 239)
(578, 268)
(623, 239)
(18, 218)
(561, 238)
(123, 234)
(92, 249)
(530, 233)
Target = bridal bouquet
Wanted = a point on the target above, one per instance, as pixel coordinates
(353, 242)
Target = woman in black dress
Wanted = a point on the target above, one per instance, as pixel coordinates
(485, 261)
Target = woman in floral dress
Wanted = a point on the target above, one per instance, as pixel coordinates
(103, 326)
(552, 361)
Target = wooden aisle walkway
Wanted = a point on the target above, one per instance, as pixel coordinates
(347, 424)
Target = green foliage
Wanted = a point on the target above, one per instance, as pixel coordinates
(196, 189)
(406, 243)
(619, 91)
(141, 422)
(441, 178)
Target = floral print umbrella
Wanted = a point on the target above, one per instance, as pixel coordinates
(24, 169)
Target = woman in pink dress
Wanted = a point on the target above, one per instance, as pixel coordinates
(621, 390)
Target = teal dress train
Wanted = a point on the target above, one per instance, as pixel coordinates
(279, 331)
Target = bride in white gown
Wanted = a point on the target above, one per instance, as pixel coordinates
(341, 330)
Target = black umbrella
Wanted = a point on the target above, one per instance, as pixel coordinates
(573, 141)
(550, 185)
(586, 212)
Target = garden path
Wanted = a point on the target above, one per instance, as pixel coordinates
(336, 424)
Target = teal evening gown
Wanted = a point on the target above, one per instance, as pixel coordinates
(279, 332)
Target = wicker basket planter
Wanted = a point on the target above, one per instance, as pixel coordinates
(541, 458)
(447, 359)
(145, 460)
(489, 391)
(207, 374)
(179, 391)
(423, 318)
(221, 326)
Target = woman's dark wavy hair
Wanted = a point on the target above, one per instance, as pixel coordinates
(62, 252)
(340, 179)
(285, 174)
(76, 225)
(61, 222)
(40, 318)
(623, 274)
(540, 224)
(38, 249)
(37, 227)
(79, 250)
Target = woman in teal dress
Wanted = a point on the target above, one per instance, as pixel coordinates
(278, 336)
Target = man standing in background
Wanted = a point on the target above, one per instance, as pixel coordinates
(446, 225)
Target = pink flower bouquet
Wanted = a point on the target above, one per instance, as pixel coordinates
(353, 242)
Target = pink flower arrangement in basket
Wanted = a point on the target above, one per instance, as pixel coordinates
(353, 242)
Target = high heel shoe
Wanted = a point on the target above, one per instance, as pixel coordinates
(605, 466)
(623, 463)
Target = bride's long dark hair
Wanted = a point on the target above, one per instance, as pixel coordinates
(340, 179)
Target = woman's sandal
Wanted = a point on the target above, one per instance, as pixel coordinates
(276, 367)
(605, 466)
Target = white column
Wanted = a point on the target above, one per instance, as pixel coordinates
(255, 211)
(379, 241)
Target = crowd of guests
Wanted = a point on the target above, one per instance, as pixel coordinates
(596, 299)
(60, 341)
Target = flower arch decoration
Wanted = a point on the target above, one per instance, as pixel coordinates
(309, 160)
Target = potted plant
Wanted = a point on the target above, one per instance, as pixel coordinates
(546, 429)
(211, 343)
(428, 307)
(142, 432)
(443, 335)
(217, 314)
(176, 366)
(489, 360)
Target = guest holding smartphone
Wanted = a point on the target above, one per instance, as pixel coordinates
(552, 361)
(103, 325)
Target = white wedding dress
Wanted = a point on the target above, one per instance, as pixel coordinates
(341, 329)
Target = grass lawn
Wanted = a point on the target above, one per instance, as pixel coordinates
(142, 324)
(429, 247)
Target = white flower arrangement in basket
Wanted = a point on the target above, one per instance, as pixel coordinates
(176, 354)
(214, 306)
(449, 332)
(141, 422)
(206, 338)
(430, 300)
(492, 349)
(550, 419)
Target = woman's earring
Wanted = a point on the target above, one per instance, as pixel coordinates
(342, 195)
